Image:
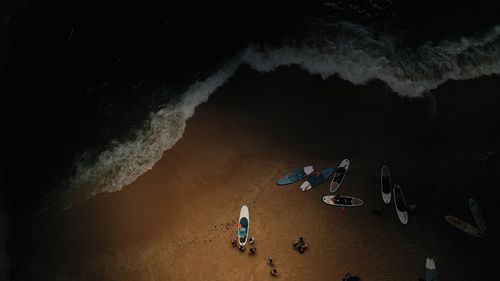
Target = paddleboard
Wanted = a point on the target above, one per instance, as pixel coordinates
(464, 226)
(400, 204)
(339, 175)
(243, 226)
(295, 175)
(478, 217)
(317, 178)
(430, 270)
(385, 184)
(342, 201)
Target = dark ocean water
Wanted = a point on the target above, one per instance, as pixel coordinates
(81, 75)
(95, 92)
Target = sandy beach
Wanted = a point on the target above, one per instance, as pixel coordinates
(177, 220)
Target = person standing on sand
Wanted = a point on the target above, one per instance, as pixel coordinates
(274, 272)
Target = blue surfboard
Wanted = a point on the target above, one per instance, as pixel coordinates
(430, 270)
(297, 175)
(317, 178)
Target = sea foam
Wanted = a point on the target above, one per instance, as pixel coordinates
(357, 54)
(352, 52)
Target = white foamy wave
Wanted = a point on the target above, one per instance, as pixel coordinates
(352, 52)
(358, 55)
(126, 161)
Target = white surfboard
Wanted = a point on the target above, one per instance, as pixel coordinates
(317, 178)
(296, 175)
(243, 225)
(430, 270)
(385, 184)
(339, 175)
(400, 204)
(342, 201)
(308, 170)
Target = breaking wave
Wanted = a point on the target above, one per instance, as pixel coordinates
(358, 54)
(352, 52)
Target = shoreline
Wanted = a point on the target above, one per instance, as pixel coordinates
(175, 221)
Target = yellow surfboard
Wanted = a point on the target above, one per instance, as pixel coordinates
(464, 226)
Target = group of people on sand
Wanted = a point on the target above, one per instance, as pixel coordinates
(300, 245)
(252, 249)
(273, 271)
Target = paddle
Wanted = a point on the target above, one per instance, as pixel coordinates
(343, 208)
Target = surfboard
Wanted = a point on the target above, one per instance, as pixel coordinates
(296, 175)
(342, 201)
(243, 226)
(430, 270)
(385, 184)
(400, 204)
(478, 217)
(339, 175)
(317, 178)
(464, 226)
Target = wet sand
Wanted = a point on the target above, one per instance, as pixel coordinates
(176, 221)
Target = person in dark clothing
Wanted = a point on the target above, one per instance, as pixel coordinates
(301, 249)
(274, 272)
(252, 251)
(351, 277)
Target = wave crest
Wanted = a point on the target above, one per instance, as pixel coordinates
(352, 52)
(357, 54)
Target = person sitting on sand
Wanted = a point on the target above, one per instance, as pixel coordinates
(274, 272)
(251, 240)
(270, 261)
(296, 244)
(252, 250)
(234, 243)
